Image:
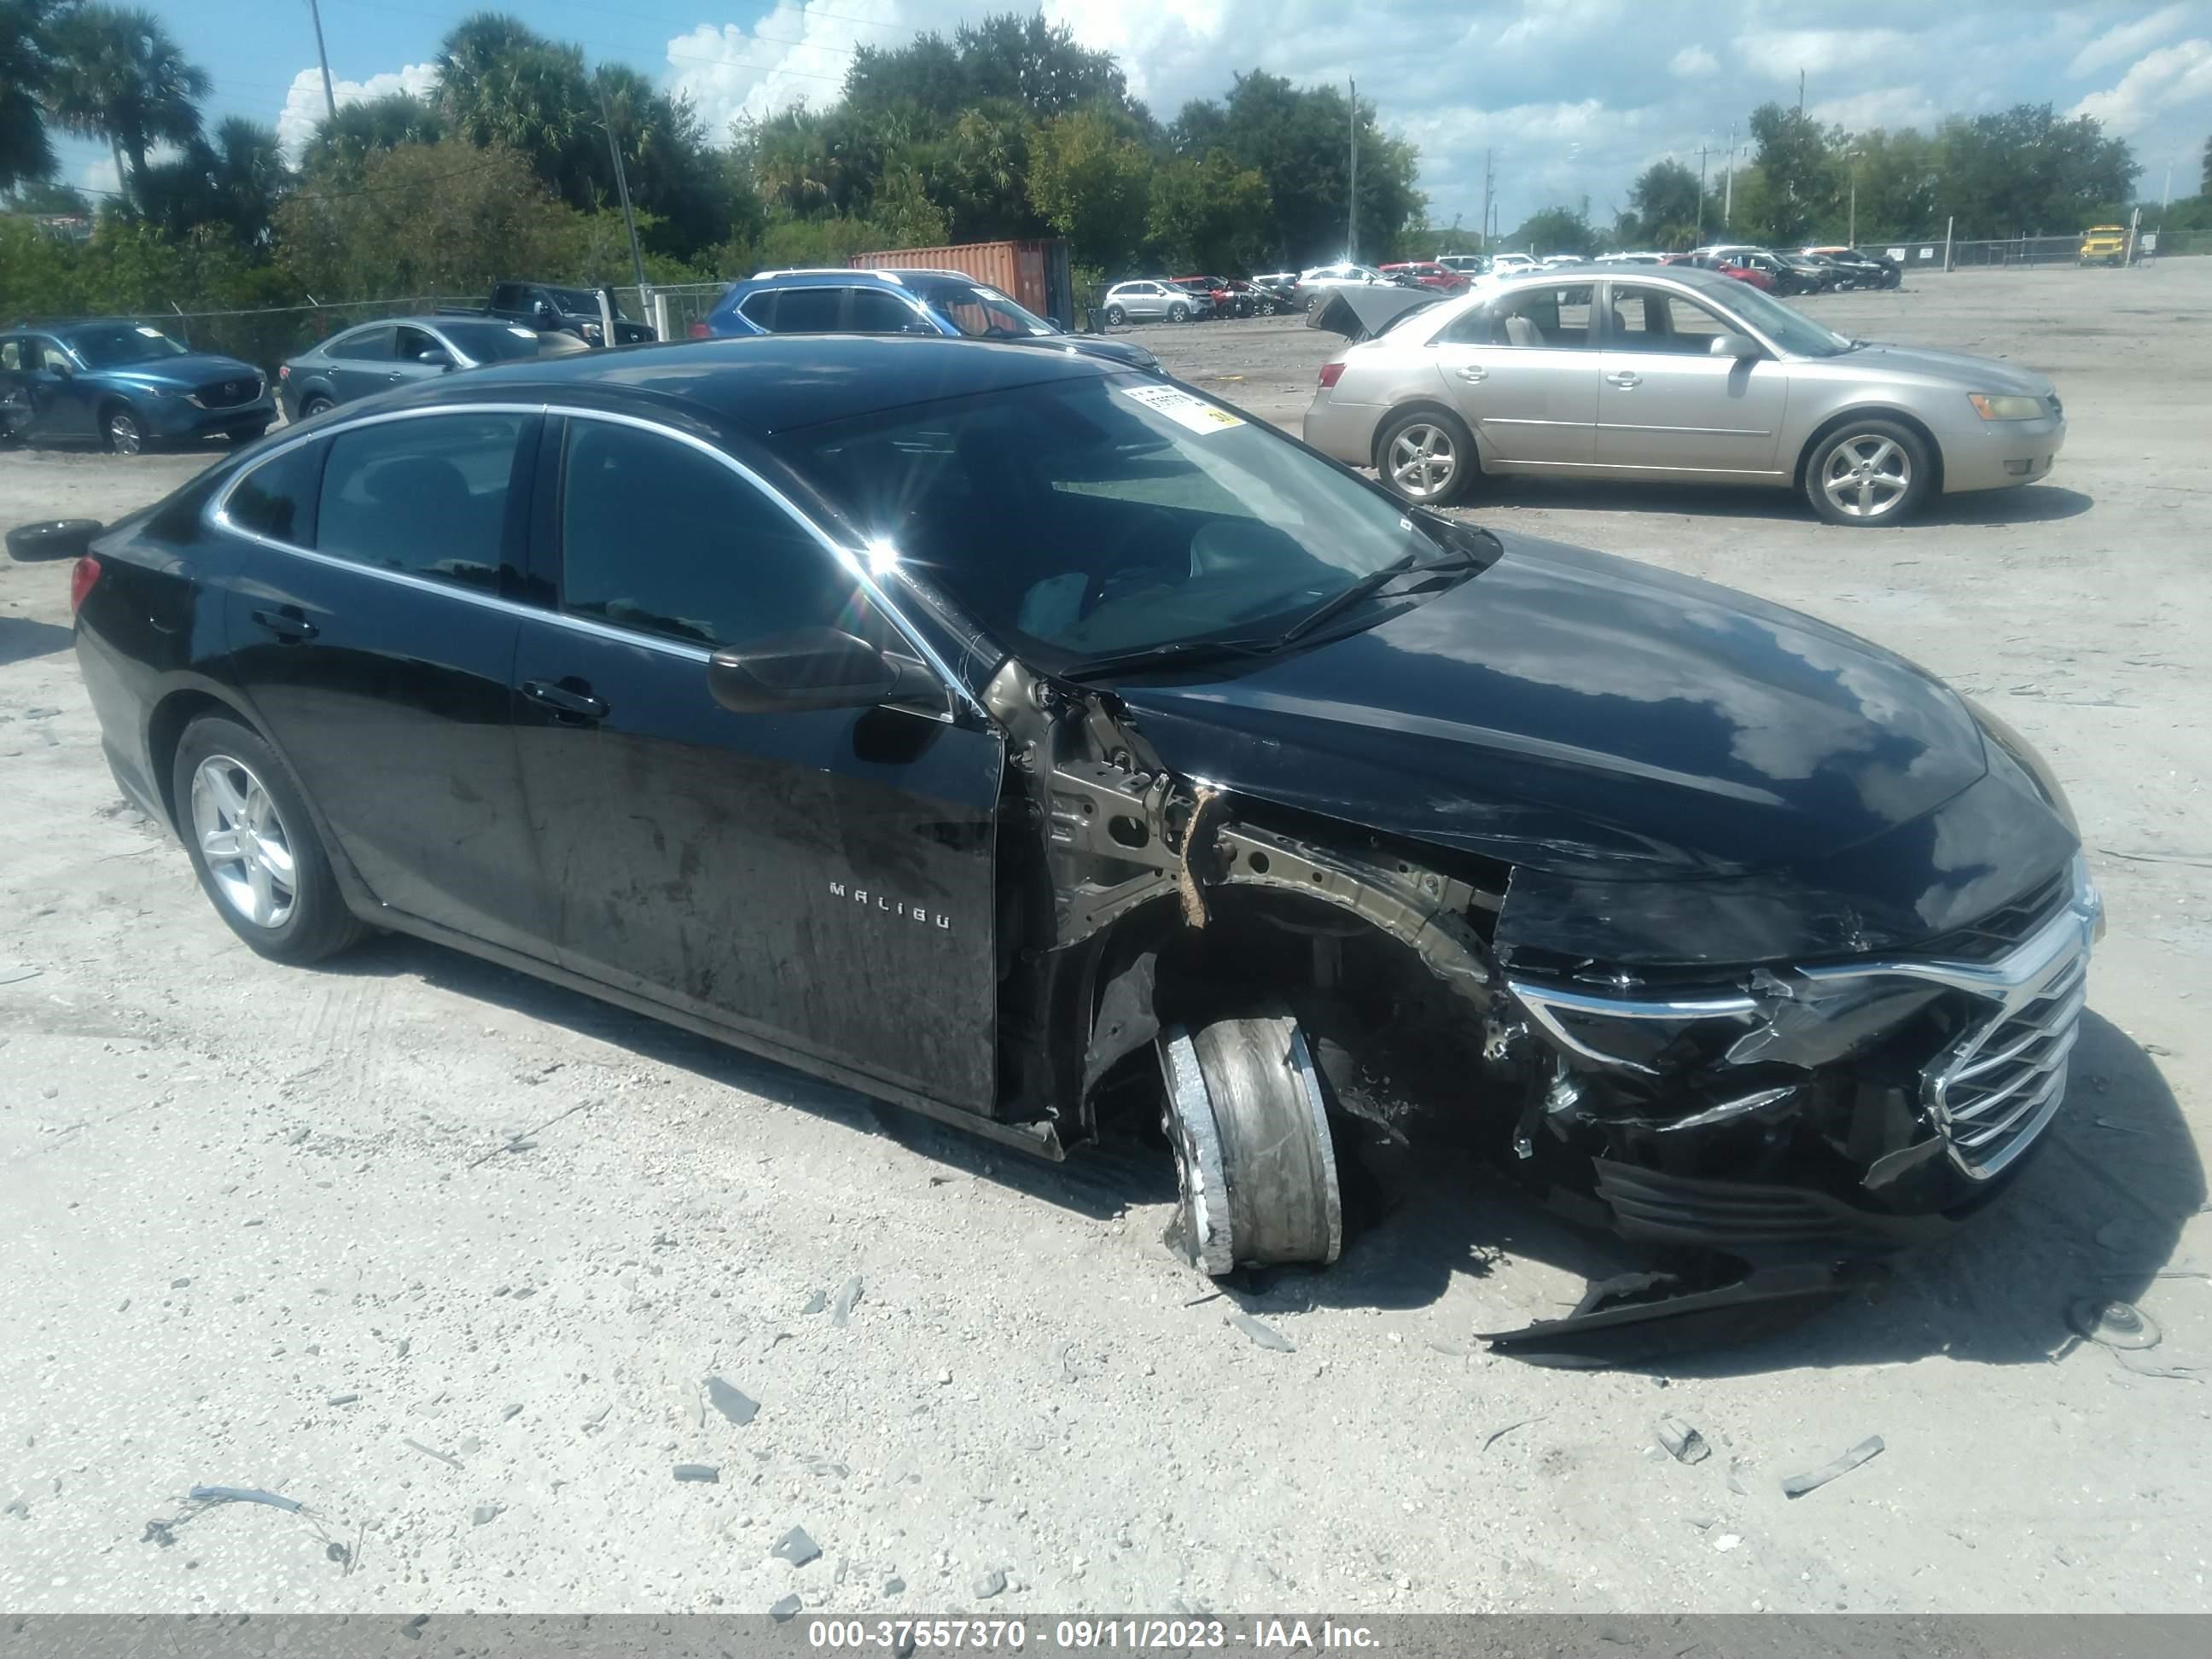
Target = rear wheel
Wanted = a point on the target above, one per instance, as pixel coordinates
(1254, 1163)
(253, 845)
(1868, 472)
(1116, 316)
(1178, 313)
(314, 406)
(1427, 456)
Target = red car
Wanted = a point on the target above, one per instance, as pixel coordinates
(1751, 274)
(1429, 274)
(1227, 302)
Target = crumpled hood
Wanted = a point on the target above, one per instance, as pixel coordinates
(1968, 372)
(1594, 720)
(194, 369)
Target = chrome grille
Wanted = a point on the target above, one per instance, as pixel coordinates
(1997, 1088)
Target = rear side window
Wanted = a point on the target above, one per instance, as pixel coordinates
(657, 537)
(369, 345)
(809, 310)
(759, 309)
(426, 497)
(276, 499)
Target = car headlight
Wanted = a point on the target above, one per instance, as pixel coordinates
(2005, 407)
(2024, 753)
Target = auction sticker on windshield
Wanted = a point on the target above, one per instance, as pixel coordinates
(1182, 408)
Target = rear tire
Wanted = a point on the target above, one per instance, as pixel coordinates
(253, 845)
(1115, 316)
(1178, 313)
(314, 406)
(1427, 456)
(1869, 474)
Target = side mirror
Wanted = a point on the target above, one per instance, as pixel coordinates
(1059, 324)
(435, 358)
(811, 668)
(1734, 345)
(542, 314)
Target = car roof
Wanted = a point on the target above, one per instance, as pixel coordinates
(773, 382)
(66, 326)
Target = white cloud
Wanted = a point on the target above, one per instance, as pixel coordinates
(304, 109)
(1783, 54)
(1888, 107)
(1692, 62)
(101, 176)
(2116, 45)
(797, 54)
(2159, 80)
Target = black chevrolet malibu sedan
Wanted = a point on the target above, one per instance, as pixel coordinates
(1014, 737)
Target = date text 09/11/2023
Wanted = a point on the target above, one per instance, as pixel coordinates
(906, 1636)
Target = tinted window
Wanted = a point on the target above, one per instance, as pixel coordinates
(428, 496)
(876, 312)
(413, 343)
(507, 296)
(278, 498)
(760, 309)
(368, 345)
(657, 537)
(492, 343)
(809, 310)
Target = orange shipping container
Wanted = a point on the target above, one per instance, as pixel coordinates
(1034, 273)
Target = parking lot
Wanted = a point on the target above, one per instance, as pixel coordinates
(445, 1254)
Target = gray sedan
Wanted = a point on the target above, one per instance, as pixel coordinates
(1676, 374)
(395, 352)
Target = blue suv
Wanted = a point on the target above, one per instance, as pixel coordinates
(836, 301)
(122, 384)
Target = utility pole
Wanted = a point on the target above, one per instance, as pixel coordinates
(1728, 186)
(1851, 235)
(330, 98)
(1489, 179)
(1700, 241)
(622, 189)
(1801, 92)
(1352, 223)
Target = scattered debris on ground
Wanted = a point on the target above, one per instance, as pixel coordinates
(796, 1547)
(848, 1295)
(1687, 1444)
(989, 1584)
(1796, 1486)
(709, 1474)
(738, 1407)
(2113, 1324)
(1266, 1335)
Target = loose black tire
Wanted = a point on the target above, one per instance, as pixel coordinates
(1442, 437)
(51, 538)
(1868, 474)
(316, 924)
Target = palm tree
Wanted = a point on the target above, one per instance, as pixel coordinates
(26, 66)
(502, 83)
(396, 119)
(118, 76)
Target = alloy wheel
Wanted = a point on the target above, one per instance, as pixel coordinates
(1423, 461)
(1867, 476)
(243, 839)
(124, 436)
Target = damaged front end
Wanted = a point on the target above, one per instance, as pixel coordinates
(1759, 1129)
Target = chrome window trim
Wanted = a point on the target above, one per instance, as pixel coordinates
(852, 562)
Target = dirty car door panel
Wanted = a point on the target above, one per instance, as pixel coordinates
(819, 878)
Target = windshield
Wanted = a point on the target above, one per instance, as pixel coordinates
(981, 312)
(491, 343)
(1787, 326)
(125, 342)
(1092, 518)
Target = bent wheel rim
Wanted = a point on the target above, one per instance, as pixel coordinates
(1867, 475)
(244, 843)
(1423, 461)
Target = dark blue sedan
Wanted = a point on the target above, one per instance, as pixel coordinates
(124, 385)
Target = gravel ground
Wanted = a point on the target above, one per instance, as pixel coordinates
(446, 1255)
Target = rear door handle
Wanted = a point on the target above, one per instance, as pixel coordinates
(567, 704)
(1624, 378)
(287, 624)
(1472, 372)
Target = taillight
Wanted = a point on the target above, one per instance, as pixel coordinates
(283, 370)
(700, 332)
(1330, 375)
(85, 573)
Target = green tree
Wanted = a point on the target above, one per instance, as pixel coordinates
(119, 75)
(44, 196)
(1208, 214)
(1797, 158)
(502, 83)
(397, 117)
(26, 49)
(1556, 230)
(1010, 58)
(2024, 171)
(1900, 178)
(1665, 201)
(234, 182)
(1089, 182)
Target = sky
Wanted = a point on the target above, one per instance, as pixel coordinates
(1571, 99)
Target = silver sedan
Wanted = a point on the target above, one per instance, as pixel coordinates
(1676, 374)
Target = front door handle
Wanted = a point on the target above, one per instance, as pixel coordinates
(287, 624)
(566, 703)
(1624, 378)
(1472, 372)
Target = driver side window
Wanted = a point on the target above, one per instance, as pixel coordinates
(657, 538)
(1658, 320)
